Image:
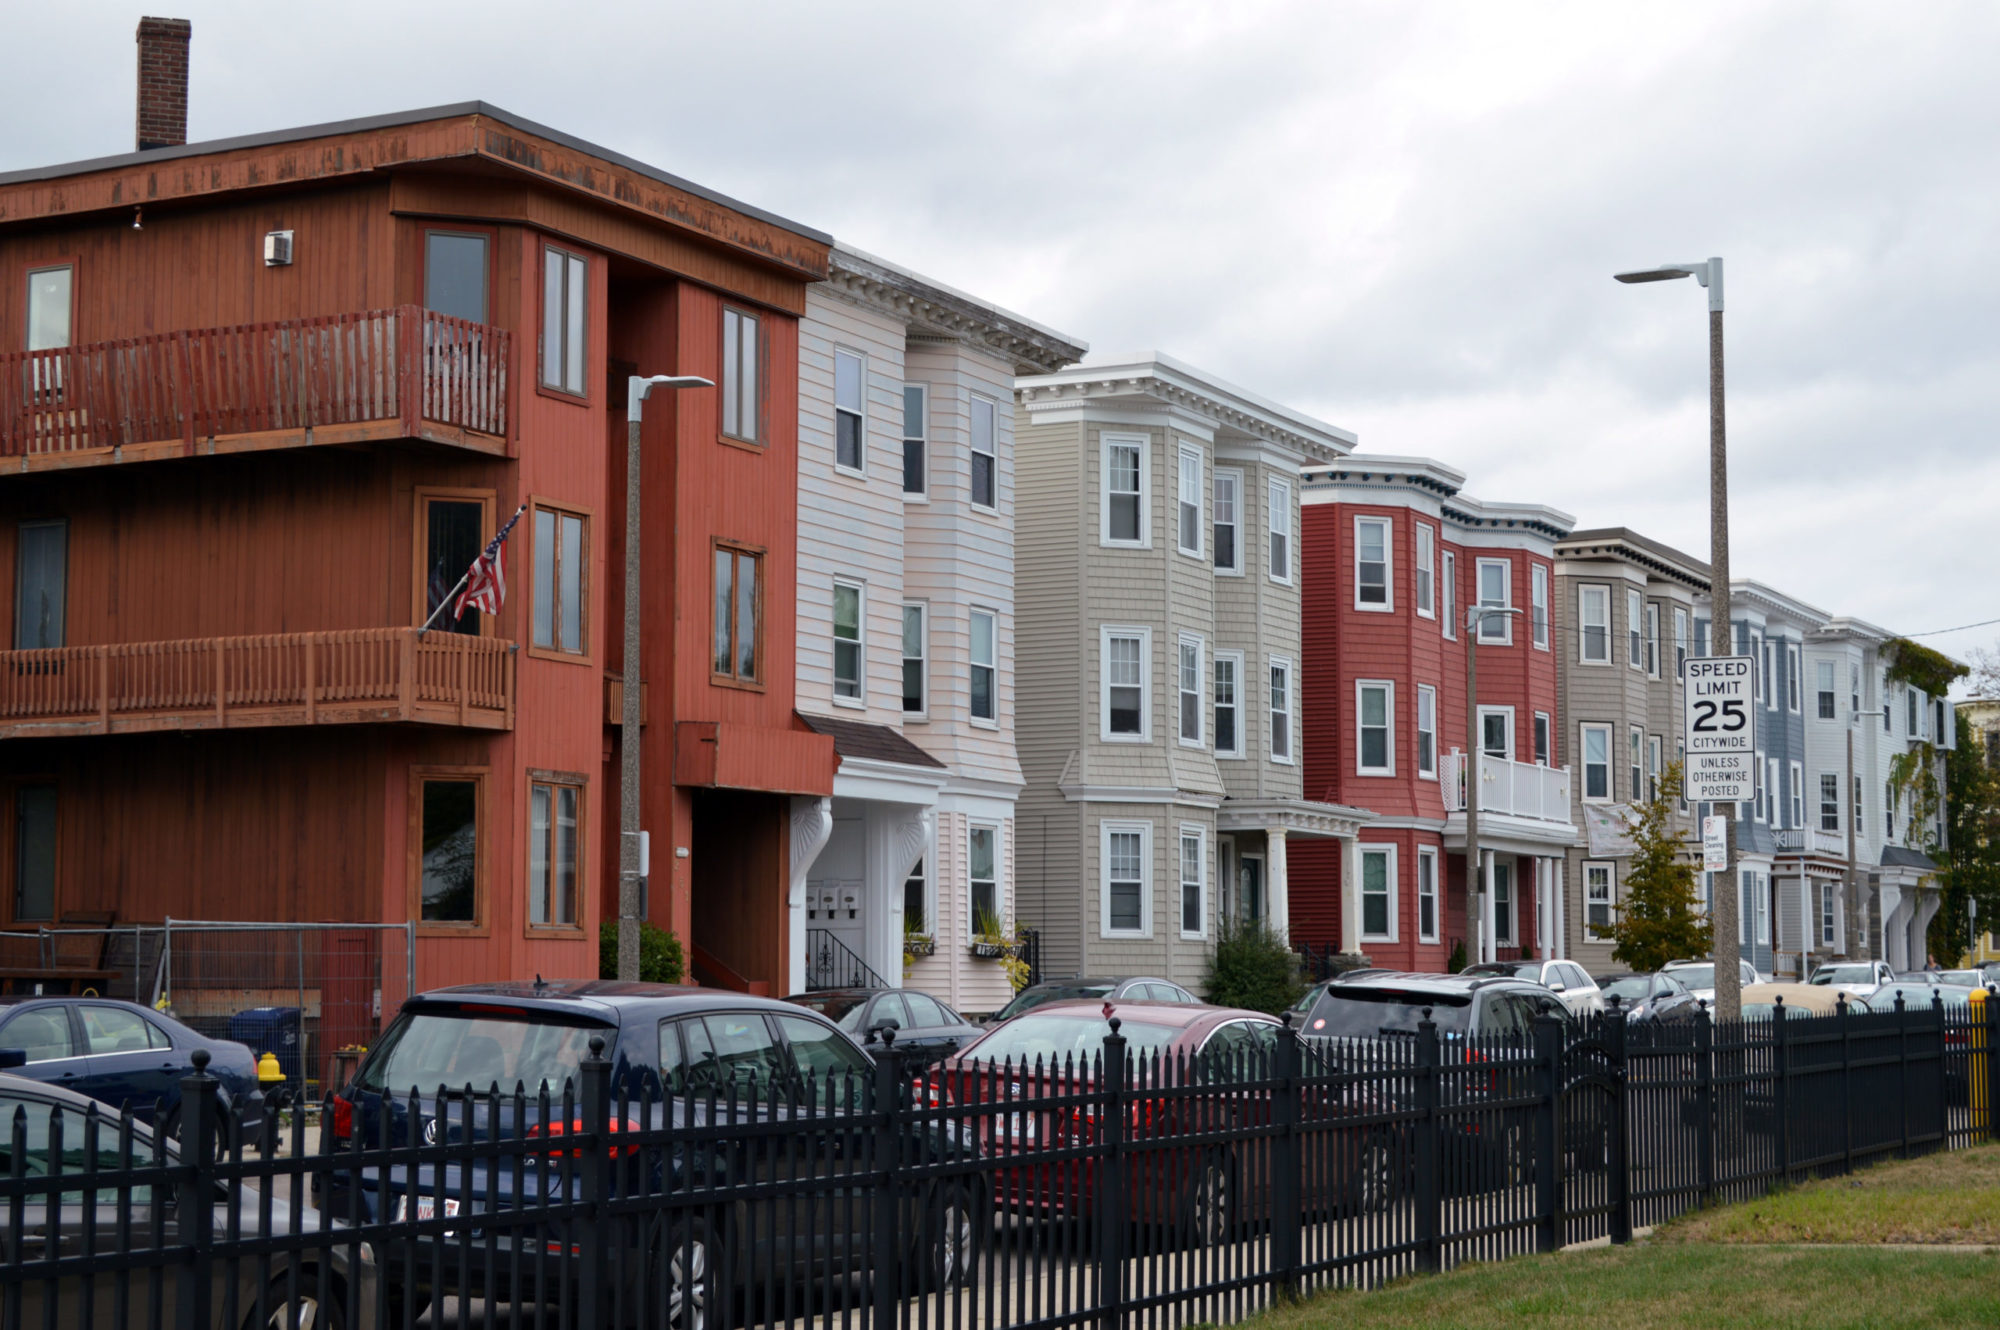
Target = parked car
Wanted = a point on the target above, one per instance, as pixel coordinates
(1564, 978)
(1760, 1001)
(685, 1057)
(1971, 978)
(1917, 994)
(1698, 977)
(120, 1053)
(1649, 997)
(1860, 978)
(351, 1284)
(1140, 988)
(925, 1028)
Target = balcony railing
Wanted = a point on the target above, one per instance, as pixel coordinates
(1518, 789)
(1811, 840)
(387, 373)
(355, 675)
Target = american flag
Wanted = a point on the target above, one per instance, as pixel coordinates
(486, 581)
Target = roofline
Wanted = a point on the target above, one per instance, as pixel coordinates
(1641, 550)
(1776, 599)
(1055, 349)
(1425, 471)
(1331, 441)
(393, 120)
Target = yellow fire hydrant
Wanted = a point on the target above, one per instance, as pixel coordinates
(268, 1071)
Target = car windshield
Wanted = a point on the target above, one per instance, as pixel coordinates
(1844, 974)
(843, 1009)
(1037, 997)
(1531, 970)
(1695, 976)
(1963, 978)
(424, 1050)
(1367, 1012)
(1054, 1038)
(1628, 987)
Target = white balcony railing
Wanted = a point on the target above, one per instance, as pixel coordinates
(1517, 789)
(1811, 840)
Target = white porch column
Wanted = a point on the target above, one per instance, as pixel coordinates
(812, 825)
(1560, 920)
(1350, 895)
(1487, 951)
(1277, 888)
(1544, 910)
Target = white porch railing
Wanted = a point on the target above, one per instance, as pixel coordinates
(1518, 789)
(1811, 840)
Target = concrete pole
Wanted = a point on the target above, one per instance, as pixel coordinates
(1853, 885)
(1475, 883)
(628, 718)
(1722, 639)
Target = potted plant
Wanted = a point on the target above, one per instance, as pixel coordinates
(917, 942)
(991, 939)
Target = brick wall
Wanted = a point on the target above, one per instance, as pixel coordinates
(163, 81)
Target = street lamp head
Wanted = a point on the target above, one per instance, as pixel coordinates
(639, 387)
(1709, 274)
(1654, 275)
(1478, 614)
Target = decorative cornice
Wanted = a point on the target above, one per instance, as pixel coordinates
(1297, 817)
(1632, 548)
(934, 311)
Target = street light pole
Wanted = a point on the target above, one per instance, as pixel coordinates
(1722, 627)
(638, 388)
(1475, 873)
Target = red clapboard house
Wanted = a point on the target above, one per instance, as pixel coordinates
(1395, 557)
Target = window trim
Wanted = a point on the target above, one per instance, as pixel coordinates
(1106, 441)
(1538, 607)
(860, 642)
(1683, 642)
(860, 414)
(1190, 452)
(1656, 765)
(1827, 699)
(1610, 868)
(27, 300)
(1768, 657)
(538, 504)
(759, 683)
(1388, 724)
(1585, 593)
(1199, 834)
(922, 494)
(10, 824)
(1391, 887)
(1105, 633)
(972, 827)
(420, 547)
(581, 784)
(1652, 642)
(1635, 628)
(1584, 730)
(1235, 659)
(976, 401)
(480, 925)
(1278, 499)
(1428, 854)
(1544, 739)
(1505, 637)
(1798, 794)
(1772, 808)
(1426, 570)
(1388, 525)
(1824, 777)
(1425, 693)
(1183, 642)
(923, 656)
(1506, 713)
(560, 391)
(1795, 685)
(1635, 761)
(759, 393)
(991, 722)
(1234, 475)
(1291, 713)
(1105, 830)
(488, 234)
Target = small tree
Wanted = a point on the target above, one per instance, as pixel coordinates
(1253, 967)
(660, 958)
(1660, 920)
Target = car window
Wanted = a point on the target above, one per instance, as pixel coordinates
(116, 1030)
(893, 1008)
(821, 1054)
(673, 1059)
(924, 1010)
(43, 1034)
(38, 1158)
(1351, 1010)
(1181, 995)
(1575, 976)
(743, 1054)
(1054, 1039)
(498, 1046)
(1503, 1014)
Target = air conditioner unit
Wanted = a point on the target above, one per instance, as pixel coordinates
(277, 248)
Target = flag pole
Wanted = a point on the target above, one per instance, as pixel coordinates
(491, 549)
(449, 597)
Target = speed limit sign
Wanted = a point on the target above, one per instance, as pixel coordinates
(1721, 733)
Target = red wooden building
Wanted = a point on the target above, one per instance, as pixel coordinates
(262, 401)
(1395, 556)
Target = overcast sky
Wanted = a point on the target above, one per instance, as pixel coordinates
(1399, 217)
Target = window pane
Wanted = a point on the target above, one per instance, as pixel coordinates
(450, 850)
(455, 275)
(454, 540)
(915, 429)
(982, 481)
(732, 372)
(48, 308)
(114, 1030)
(914, 423)
(913, 658)
(579, 285)
(41, 575)
(847, 415)
(747, 358)
(746, 616)
(545, 579)
(982, 638)
(725, 563)
(572, 583)
(847, 381)
(538, 853)
(34, 853)
(563, 908)
(552, 317)
(983, 492)
(847, 612)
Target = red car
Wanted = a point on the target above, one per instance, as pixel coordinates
(1199, 1088)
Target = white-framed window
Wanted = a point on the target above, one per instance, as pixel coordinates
(1426, 570)
(1194, 880)
(741, 363)
(1796, 790)
(1278, 520)
(1680, 642)
(1860, 825)
(1655, 754)
(1496, 732)
(1909, 705)
(985, 673)
(1125, 465)
(919, 900)
(1448, 593)
(1767, 676)
(1889, 810)
(1371, 564)
(1854, 695)
(1774, 806)
(1281, 710)
(849, 665)
(1503, 904)
(1228, 521)
(1882, 697)
(1126, 869)
(1794, 685)
(1538, 591)
(850, 411)
(982, 863)
(1829, 699)
(916, 439)
(1496, 592)
(1544, 739)
(1378, 893)
(1653, 639)
(1427, 706)
(1635, 614)
(982, 451)
(1636, 755)
(1827, 920)
(1189, 689)
(1600, 893)
(1595, 743)
(1229, 704)
(1760, 890)
(1127, 702)
(1593, 617)
(1829, 801)
(1188, 496)
(916, 651)
(1375, 727)
(1427, 893)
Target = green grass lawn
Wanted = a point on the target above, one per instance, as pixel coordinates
(1943, 1198)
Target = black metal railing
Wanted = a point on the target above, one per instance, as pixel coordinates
(1109, 1185)
(830, 963)
(1030, 954)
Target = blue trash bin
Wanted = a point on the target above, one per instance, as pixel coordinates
(271, 1030)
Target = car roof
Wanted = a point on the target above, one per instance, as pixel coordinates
(602, 998)
(1182, 1014)
(1418, 982)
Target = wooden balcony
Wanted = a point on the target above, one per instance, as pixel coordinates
(402, 373)
(1514, 789)
(363, 675)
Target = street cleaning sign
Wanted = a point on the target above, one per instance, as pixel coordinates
(1721, 739)
(1715, 844)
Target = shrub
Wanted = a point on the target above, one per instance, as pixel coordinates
(1457, 961)
(660, 959)
(1253, 967)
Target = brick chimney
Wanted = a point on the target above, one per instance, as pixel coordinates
(163, 82)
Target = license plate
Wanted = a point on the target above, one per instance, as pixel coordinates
(427, 1208)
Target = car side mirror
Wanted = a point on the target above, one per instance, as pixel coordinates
(13, 1057)
(1558, 987)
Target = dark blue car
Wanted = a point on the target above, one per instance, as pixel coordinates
(120, 1053)
(725, 1066)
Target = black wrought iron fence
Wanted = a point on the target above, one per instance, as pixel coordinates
(1109, 1183)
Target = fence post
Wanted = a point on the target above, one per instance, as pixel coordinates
(594, 1077)
(1112, 1199)
(1992, 1005)
(885, 1253)
(1620, 1143)
(1846, 1088)
(1427, 1128)
(1781, 1088)
(1286, 1167)
(195, 1206)
(1704, 1098)
(1943, 1071)
(1548, 1135)
(1903, 1075)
